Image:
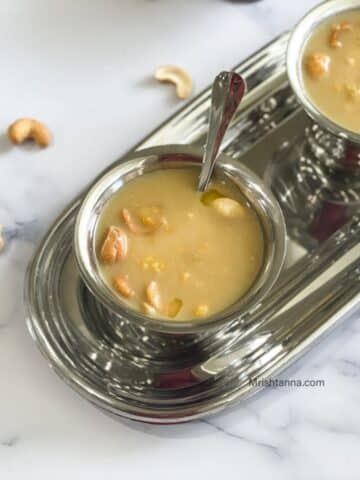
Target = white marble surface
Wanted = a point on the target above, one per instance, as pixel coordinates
(83, 67)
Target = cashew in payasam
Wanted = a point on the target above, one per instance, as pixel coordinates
(318, 64)
(153, 295)
(28, 128)
(149, 309)
(122, 286)
(115, 246)
(336, 30)
(150, 221)
(228, 207)
(178, 76)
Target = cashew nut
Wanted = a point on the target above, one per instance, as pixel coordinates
(149, 222)
(178, 76)
(28, 128)
(149, 309)
(228, 207)
(153, 295)
(122, 286)
(318, 64)
(336, 30)
(115, 246)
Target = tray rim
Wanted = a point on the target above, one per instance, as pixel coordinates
(120, 408)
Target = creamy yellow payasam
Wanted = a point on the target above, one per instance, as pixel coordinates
(331, 69)
(171, 252)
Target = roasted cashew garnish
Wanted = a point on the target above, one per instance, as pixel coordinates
(122, 286)
(318, 64)
(148, 223)
(336, 31)
(115, 246)
(149, 309)
(227, 207)
(28, 128)
(178, 76)
(153, 295)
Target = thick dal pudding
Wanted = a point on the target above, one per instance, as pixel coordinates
(171, 252)
(331, 69)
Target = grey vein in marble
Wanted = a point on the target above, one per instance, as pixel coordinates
(272, 448)
(27, 231)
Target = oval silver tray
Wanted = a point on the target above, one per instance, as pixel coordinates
(318, 286)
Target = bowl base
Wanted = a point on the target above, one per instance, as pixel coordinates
(316, 180)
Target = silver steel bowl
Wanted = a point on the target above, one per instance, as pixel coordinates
(294, 57)
(178, 156)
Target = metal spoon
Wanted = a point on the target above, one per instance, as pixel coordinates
(227, 91)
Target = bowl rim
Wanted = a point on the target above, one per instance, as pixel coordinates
(94, 281)
(294, 56)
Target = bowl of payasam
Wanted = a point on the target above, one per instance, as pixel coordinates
(323, 63)
(154, 250)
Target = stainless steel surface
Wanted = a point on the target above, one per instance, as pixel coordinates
(171, 157)
(227, 91)
(320, 283)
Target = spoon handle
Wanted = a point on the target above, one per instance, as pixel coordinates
(227, 92)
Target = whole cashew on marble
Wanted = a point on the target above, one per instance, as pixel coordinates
(28, 128)
(178, 76)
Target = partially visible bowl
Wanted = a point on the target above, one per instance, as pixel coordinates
(294, 59)
(178, 156)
